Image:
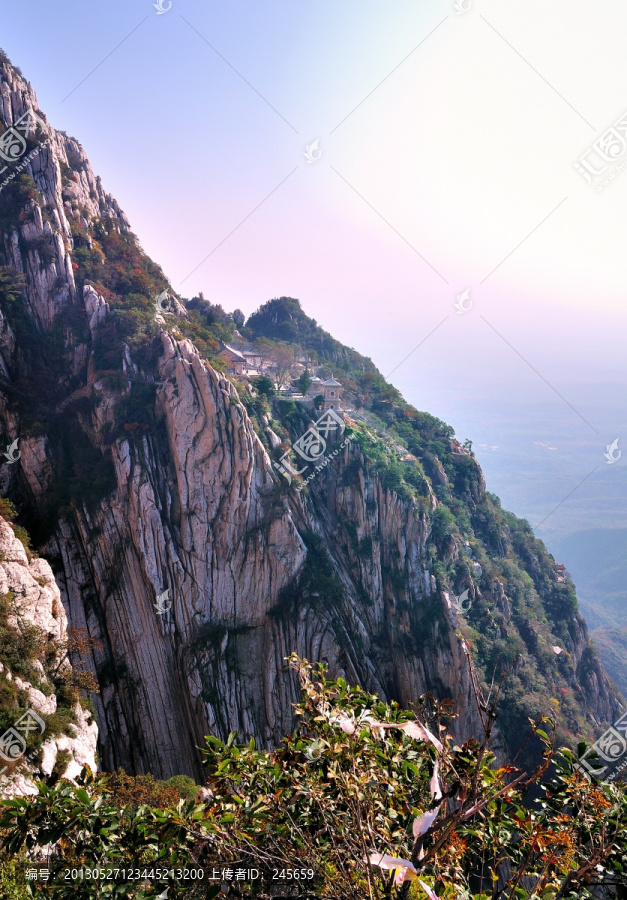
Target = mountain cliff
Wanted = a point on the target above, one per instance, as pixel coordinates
(149, 479)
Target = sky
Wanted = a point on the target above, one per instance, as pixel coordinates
(443, 145)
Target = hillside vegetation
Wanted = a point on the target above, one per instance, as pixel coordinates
(368, 800)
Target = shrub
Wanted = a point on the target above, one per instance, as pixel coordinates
(186, 787)
(442, 523)
(44, 245)
(357, 780)
(142, 790)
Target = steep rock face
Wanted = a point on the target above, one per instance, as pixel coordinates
(35, 603)
(196, 514)
(51, 280)
(398, 642)
(200, 514)
(190, 565)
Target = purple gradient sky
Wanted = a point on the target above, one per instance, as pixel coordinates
(459, 148)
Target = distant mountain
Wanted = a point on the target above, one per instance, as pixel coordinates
(597, 560)
(612, 646)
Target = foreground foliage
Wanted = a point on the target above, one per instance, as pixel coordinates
(379, 801)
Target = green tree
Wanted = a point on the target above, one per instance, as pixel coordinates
(304, 382)
(264, 385)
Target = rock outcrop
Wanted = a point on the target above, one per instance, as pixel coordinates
(34, 604)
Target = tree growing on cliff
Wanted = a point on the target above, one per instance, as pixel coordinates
(283, 359)
(264, 385)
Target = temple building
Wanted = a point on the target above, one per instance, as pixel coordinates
(331, 389)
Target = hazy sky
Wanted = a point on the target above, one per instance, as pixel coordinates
(448, 145)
